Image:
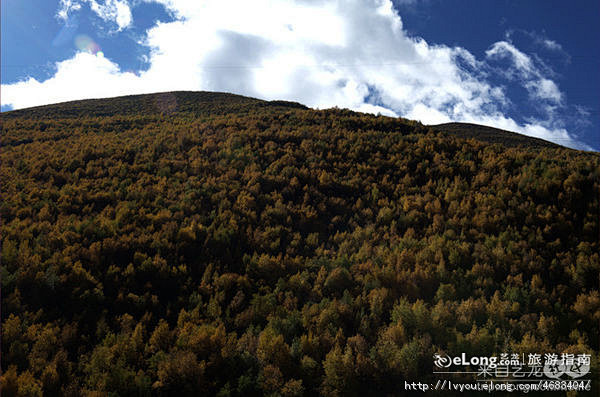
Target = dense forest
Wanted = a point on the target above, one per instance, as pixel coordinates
(210, 244)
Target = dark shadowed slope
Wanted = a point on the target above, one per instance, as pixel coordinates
(493, 135)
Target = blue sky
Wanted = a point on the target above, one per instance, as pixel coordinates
(526, 66)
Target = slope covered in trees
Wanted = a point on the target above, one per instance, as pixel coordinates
(210, 244)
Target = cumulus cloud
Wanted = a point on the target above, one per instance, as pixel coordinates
(84, 76)
(322, 53)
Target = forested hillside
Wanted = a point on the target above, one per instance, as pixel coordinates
(210, 244)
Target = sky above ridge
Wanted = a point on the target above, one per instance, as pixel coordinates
(526, 66)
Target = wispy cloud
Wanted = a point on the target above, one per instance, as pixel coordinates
(521, 62)
(323, 53)
(544, 89)
(66, 7)
(524, 68)
(551, 45)
(113, 11)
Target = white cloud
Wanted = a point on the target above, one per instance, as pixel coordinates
(524, 68)
(115, 11)
(67, 6)
(552, 45)
(322, 53)
(544, 89)
(504, 49)
(84, 76)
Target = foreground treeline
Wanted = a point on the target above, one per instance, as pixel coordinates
(275, 250)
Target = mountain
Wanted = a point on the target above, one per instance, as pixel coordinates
(195, 243)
